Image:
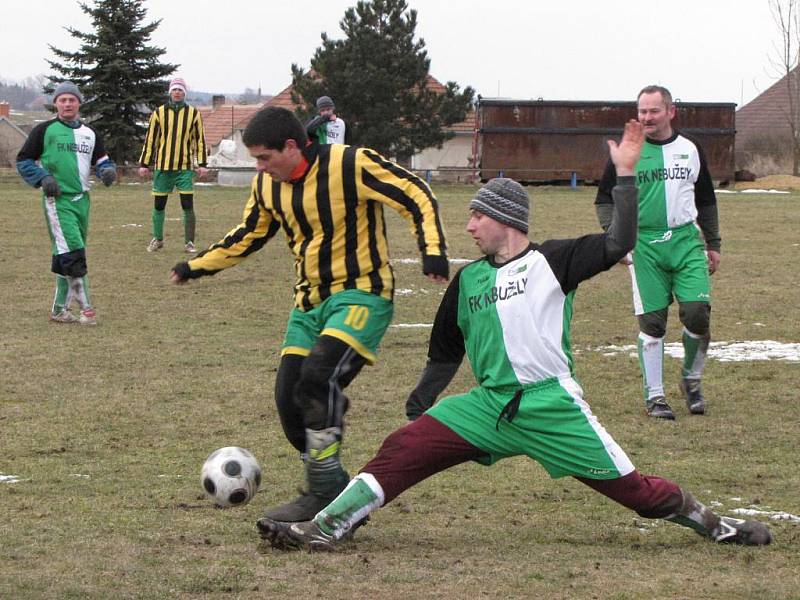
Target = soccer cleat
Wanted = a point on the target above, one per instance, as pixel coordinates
(694, 397)
(303, 508)
(63, 317)
(88, 317)
(189, 248)
(155, 244)
(744, 533)
(658, 408)
(305, 535)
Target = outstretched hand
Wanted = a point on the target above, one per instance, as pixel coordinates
(625, 154)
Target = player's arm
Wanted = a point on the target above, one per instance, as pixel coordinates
(604, 201)
(413, 199)
(707, 214)
(104, 167)
(150, 141)
(27, 166)
(445, 353)
(201, 152)
(256, 228)
(622, 231)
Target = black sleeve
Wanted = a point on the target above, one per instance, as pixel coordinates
(313, 124)
(446, 343)
(708, 220)
(34, 146)
(99, 148)
(704, 187)
(607, 183)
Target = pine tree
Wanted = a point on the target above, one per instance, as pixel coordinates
(118, 73)
(377, 76)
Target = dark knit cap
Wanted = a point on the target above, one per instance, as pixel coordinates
(503, 200)
(67, 87)
(324, 102)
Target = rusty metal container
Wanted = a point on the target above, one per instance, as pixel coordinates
(538, 141)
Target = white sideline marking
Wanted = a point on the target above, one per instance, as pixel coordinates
(9, 478)
(416, 261)
(411, 325)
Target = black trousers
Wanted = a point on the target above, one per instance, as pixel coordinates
(309, 389)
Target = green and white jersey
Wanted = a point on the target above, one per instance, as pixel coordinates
(64, 151)
(513, 320)
(332, 132)
(673, 180)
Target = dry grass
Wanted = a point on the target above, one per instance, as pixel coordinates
(107, 427)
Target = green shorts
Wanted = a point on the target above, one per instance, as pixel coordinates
(357, 318)
(554, 426)
(165, 181)
(67, 220)
(666, 264)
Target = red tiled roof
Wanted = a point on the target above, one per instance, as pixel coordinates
(767, 113)
(220, 122)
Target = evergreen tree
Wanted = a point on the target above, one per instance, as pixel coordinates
(377, 76)
(118, 73)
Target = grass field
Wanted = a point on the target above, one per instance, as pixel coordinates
(106, 428)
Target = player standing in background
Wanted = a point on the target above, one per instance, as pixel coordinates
(328, 200)
(58, 157)
(672, 257)
(174, 142)
(327, 127)
(510, 314)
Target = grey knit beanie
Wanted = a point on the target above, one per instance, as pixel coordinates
(324, 102)
(67, 87)
(503, 200)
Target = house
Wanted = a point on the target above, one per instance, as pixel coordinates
(763, 135)
(12, 137)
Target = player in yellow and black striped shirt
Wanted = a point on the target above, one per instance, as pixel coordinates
(328, 201)
(175, 143)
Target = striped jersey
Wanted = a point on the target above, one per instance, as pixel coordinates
(332, 219)
(174, 139)
(513, 320)
(673, 180)
(65, 151)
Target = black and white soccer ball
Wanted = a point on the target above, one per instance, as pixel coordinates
(231, 476)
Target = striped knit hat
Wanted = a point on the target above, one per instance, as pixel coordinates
(503, 200)
(177, 84)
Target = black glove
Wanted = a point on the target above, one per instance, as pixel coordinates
(436, 265)
(108, 175)
(50, 186)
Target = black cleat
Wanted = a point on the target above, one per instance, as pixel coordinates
(690, 388)
(305, 535)
(659, 409)
(744, 533)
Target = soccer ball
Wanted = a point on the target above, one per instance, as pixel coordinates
(230, 476)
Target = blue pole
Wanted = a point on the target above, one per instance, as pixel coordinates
(573, 181)
(501, 173)
(428, 177)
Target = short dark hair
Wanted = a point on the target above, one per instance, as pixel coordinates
(272, 126)
(652, 89)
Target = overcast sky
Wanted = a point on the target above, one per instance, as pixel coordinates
(703, 50)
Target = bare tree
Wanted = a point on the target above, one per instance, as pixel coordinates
(786, 14)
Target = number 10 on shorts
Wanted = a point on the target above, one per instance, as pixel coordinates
(356, 316)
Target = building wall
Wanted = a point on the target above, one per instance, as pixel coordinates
(11, 141)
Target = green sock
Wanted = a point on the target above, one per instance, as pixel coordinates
(357, 500)
(158, 224)
(62, 289)
(695, 348)
(188, 226)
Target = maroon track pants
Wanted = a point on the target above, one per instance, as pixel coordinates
(426, 446)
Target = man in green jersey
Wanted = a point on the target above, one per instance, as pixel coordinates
(510, 314)
(677, 250)
(58, 157)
